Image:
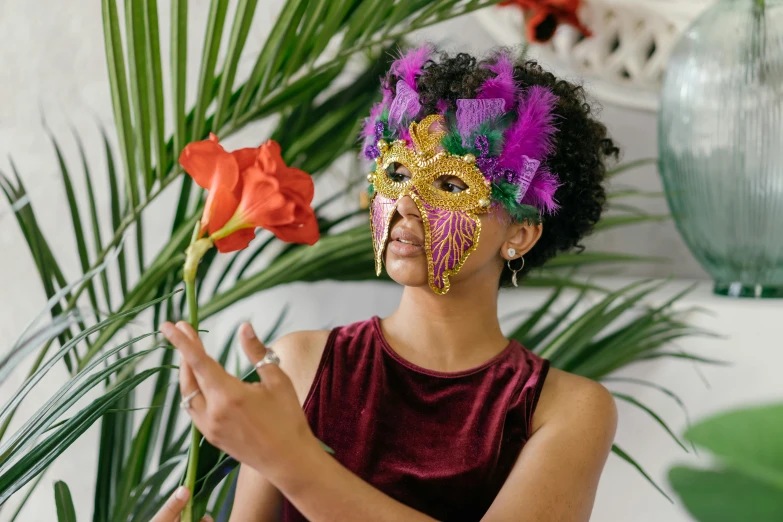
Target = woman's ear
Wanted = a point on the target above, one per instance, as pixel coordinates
(521, 237)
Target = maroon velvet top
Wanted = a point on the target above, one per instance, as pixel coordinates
(441, 443)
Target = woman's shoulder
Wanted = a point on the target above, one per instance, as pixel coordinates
(300, 354)
(571, 399)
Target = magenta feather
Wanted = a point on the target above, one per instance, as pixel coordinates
(409, 65)
(387, 95)
(541, 192)
(532, 135)
(503, 84)
(405, 135)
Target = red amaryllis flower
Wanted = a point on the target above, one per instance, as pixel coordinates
(250, 188)
(543, 16)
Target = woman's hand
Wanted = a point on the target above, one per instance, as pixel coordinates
(173, 507)
(259, 424)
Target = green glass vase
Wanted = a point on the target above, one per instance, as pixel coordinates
(720, 137)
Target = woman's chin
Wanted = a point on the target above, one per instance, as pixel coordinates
(407, 270)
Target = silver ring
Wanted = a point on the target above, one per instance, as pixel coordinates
(269, 358)
(185, 403)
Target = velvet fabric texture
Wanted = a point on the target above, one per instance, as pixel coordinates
(441, 443)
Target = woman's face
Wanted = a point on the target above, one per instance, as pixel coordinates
(405, 258)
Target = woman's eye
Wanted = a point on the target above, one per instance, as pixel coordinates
(450, 184)
(393, 174)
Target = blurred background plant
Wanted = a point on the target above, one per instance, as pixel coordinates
(747, 483)
(313, 80)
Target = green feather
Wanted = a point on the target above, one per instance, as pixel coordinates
(493, 129)
(371, 190)
(506, 194)
(452, 142)
(525, 213)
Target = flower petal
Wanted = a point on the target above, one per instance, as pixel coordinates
(262, 203)
(203, 160)
(304, 230)
(236, 241)
(246, 157)
(219, 207)
(216, 170)
(297, 182)
(269, 158)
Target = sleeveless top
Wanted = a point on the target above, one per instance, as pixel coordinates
(441, 443)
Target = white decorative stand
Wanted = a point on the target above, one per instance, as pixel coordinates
(623, 61)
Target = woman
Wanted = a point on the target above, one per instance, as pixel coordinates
(484, 170)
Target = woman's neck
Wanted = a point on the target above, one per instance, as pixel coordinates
(452, 332)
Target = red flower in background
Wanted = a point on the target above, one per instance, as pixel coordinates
(543, 16)
(250, 188)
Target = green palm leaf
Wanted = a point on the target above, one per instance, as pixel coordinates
(626, 457)
(62, 498)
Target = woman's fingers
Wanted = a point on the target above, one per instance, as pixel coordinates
(251, 344)
(270, 374)
(173, 507)
(207, 371)
(188, 386)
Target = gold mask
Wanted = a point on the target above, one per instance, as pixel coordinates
(451, 223)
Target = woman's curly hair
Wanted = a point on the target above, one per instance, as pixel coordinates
(582, 146)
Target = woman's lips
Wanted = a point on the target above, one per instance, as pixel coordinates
(403, 248)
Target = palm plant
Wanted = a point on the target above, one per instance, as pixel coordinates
(296, 81)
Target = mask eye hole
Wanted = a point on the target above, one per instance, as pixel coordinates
(397, 173)
(451, 184)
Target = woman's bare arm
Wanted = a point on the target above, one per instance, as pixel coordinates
(556, 475)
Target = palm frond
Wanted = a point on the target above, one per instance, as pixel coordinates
(611, 333)
(630, 460)
(64, 502)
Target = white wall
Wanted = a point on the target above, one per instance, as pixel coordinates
(52, 64)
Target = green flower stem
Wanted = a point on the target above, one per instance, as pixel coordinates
(195, 436)
(760, 4)
(236, 223)
(194, 253)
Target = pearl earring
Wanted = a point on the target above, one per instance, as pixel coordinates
(511, 252)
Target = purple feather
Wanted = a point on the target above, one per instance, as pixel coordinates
(406, 104)
(532, 135)
(442, 106)
(541, 192)
(409, 65)
(502, 85)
